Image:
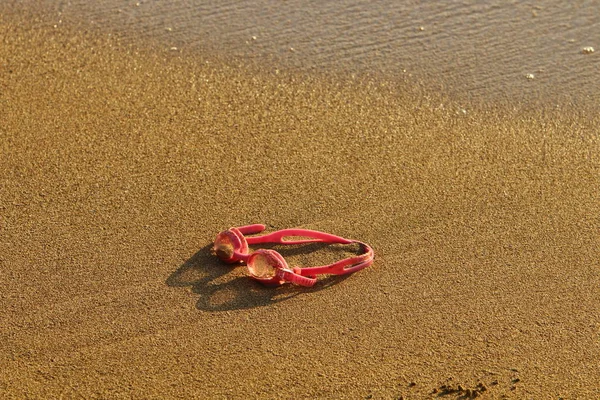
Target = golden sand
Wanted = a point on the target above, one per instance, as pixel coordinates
(119, 165)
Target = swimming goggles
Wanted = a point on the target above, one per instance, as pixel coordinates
(270, 268)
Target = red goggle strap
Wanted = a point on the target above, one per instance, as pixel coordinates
(285, 275)
(298, 279)
(251, 229)
(345, 266)
(315, 236)
(289, 276)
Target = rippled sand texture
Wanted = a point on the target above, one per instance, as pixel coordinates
(119, 164)
(498, 51)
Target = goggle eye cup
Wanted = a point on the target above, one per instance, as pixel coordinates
(262, 265)
(223, 247)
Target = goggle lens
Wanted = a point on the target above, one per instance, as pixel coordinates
(261, 266)
(223, 247)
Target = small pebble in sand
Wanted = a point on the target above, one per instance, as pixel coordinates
(587, 50)
(529, 76)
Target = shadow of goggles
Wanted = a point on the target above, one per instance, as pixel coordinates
(270, 268)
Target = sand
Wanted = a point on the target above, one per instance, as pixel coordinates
(120, 163)
(499, 52)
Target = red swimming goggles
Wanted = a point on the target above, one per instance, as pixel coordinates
(270, 268)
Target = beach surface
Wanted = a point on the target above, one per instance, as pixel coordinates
(122, 158)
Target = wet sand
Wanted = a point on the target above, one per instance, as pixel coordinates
(497, 52)
(121, 162)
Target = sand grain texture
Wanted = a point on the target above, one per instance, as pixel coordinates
(119, 165)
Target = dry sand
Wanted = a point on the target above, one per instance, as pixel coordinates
(119, 164)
